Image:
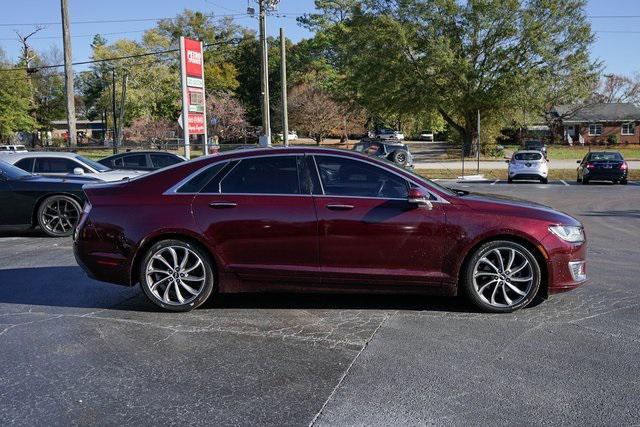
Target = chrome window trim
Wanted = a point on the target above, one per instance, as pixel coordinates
(172, 190)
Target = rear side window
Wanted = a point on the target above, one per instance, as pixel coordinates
(198, 182)
(25, 164)
(57, 165)
(263, 175)
(163, 160)
(528, 156)
(135, 161)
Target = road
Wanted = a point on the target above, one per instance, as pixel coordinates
(75, 351)
(471, 165)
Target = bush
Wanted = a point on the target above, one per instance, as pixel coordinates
(612, 139)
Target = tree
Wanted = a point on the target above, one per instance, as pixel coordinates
(314, 112)
(455, 57)
(151, 129)
(617, 88)
(227, 116)
(15, 104)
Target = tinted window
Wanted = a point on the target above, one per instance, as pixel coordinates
(163, 160)
(135, 161)
(309, 176)
(604, 156)
(118, 162)
(263, 175)
(527, 156)
(97, 166)
(56, 165)
(346, 177)
(196, 184)
(12, 172)
(25, 164)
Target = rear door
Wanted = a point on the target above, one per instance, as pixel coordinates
(261, 219)
(369, 233)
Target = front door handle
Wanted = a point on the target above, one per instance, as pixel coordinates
(338, 207)
(222, 205)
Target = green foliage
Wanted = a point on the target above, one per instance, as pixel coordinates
(15, 104)
(612, 139)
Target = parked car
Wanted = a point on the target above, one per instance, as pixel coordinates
(13, 149)
(534, 144)
(66, 165)
(393, 151)
(528, 165)
(28, 201)
(293, 135)
(389, 134)
(426, 135)
(141, 160)
(603, 166)
(314, 219)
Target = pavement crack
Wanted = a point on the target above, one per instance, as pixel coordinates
(346, 372)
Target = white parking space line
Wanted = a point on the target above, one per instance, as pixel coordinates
(564, 182)
(494, 182)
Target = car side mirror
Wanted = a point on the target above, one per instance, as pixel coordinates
(78, 171)
(420, 198)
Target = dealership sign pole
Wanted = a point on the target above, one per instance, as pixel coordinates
(193, 98)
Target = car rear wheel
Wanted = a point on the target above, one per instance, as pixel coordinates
(400, 157)
(58, 215)
(177, 275)
(502, 276)
(623, 181)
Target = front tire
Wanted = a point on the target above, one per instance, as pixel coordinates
(501, 276)
(544, 180)
(177, 275)
(400, 157)
(59, 215)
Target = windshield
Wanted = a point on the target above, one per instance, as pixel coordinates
(12, 172)
(604, 156)
(95, 165)
(527, 156)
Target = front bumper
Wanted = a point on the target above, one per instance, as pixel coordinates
(563, 260)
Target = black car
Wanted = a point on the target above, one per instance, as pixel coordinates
(603, 166)
(394, 151)
(141, 160)
(28, 201)
(534, 144)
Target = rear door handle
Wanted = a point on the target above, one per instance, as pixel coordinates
(222, 205)
(338, 207)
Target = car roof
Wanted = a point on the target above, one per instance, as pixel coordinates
(45, 154)
(528, 152)
(142, 152)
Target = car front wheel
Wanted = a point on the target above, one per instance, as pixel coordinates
(501, 277)
(176, 275)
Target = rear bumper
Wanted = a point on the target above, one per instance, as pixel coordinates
(606, 175)
(530, 175)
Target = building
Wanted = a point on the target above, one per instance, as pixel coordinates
(85, 129)
(594, 124)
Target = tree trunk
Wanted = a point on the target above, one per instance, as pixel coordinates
(318, 139)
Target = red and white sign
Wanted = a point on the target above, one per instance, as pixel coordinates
(193, 94)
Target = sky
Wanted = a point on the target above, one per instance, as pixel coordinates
(615, 45)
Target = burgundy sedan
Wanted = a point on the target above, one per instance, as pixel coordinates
(312, 219)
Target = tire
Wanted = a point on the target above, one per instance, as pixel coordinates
(400, 157)
(165, 278)
(585, 181)
(544, 180)
(509, 291)
(623, 181)
(509, 181)
(58, 215)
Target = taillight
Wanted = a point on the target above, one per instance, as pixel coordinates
(624, 166)
(590, 166)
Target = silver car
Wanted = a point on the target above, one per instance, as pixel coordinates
(66, 165)
(529, 165)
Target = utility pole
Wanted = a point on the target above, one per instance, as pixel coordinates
(478, 143)
(124, 95)
(114, 135)
(68, 74)
(283, 72)
(265, 138)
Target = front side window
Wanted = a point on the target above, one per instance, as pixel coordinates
(135, 161)
(163, 160)
(628, 128)
(346, 177)
(595, 129)
(57, 165)
(263, 175)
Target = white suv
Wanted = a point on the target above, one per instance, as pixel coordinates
(529, 165)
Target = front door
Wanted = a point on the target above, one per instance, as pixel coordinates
(261, 220)
(369, 233)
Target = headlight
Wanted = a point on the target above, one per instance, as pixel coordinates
(568, 233)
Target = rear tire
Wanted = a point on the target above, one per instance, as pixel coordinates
(400, 157)
(501, 276)
(177, 275)
(509, 181)
(544, 180)
(623, 181)
(59, 215)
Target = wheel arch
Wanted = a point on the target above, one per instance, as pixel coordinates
(177, 235)
(536, 249)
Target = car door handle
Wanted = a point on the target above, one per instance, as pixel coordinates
(222, 205)
(338, 207)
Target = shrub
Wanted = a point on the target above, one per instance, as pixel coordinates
(612, 139)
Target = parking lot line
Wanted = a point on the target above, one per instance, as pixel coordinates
(564, 182)
(494, 182)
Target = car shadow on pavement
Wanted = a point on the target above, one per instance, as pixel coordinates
(629, 213)
(70, 287)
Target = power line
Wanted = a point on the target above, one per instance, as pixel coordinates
(111, 21)
(59, 36)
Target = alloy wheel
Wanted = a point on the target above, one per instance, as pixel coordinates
(175, 275)
(59, 216)
(503, 277)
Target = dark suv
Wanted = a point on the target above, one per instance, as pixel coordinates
(393, 151)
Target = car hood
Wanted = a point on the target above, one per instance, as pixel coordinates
(507, 205)
(118, 175)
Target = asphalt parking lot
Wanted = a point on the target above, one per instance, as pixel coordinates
(75, 351)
